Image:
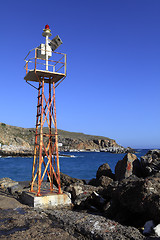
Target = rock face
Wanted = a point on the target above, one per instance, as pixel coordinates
(16, 136)
(80, 193)
(88, 143)
(104, 176)
(104, 170)
(104, 181)
(134, 200)
(67, 180)
(151, 162)
(128, 166)
(12, 150)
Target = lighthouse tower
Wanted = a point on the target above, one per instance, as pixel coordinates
(45, 70)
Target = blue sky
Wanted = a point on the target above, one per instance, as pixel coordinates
(113, 66)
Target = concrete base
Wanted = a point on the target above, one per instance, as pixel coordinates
(47, 200)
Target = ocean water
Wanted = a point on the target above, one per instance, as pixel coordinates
(83, 165)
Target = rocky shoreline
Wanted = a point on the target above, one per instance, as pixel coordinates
(22, 151)
(16, 151)
(124, 205)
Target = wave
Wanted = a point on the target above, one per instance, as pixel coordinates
(67, 156)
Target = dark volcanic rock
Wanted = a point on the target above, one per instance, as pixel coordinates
(138, 197)
(93, 182)
(26, 223)
(93, 226)
(130, 193)
(67, 180)
(95, 202)
(80, 193)
(151, 162)
(128, 166)
(104, 170)
(104, 181)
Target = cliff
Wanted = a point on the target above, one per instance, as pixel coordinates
(21, 141)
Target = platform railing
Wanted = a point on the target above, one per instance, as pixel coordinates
(56, 63)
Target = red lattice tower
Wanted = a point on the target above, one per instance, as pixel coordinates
(46, 69)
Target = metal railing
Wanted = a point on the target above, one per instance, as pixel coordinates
(56, 62)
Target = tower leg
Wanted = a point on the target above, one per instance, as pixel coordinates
(41, 141)
(50, 138)
(56, 142)
(36, 145)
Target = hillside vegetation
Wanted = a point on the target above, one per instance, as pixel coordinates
(17, 136)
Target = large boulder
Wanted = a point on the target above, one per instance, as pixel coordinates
(6, 183)
(151, 163)
(95, 202)
(128, 166)
(138, 197)
(67, 180)
(80, 193)
(104, 181)
(104, 176)
(104, 170)
(93, 182)
(130, 193)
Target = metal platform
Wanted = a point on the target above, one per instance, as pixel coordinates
(53, 76)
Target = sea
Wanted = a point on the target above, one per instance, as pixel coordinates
(82, 165)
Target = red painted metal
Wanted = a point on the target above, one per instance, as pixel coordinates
(45, 151)
(46, 156)
(47, 26)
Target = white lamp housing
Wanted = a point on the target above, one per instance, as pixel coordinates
(41, 53)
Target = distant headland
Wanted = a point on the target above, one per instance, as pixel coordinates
(18, 141)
